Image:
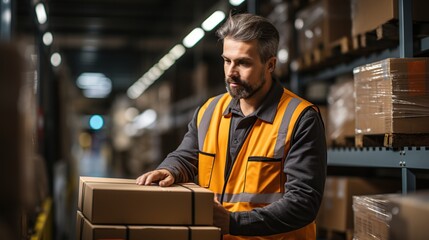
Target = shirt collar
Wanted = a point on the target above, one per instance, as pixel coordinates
(267, 111)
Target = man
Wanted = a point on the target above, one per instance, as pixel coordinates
(260, 148)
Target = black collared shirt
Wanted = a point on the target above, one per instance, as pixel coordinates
(305, 168)
(241, 125)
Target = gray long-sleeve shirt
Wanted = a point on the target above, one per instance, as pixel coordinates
(305, 168)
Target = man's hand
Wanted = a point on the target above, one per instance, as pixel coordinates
(162, 176)
(220, 217)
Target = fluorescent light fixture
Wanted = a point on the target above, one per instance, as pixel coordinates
(133, 92)
(212, 21)
(6, 16)
(177, 51)
(55, 59)
(94, 85)
(48, 38)
(41, 13)
(95, 93)
(166, 62)
(236, 2)
(193, 37)
(145, 119)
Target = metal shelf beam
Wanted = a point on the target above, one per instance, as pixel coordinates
(379, 157)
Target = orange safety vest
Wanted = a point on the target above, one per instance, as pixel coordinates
(256, 178)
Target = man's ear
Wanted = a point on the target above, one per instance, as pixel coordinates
(272, 64)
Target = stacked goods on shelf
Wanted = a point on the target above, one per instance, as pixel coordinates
(11, 139)
(113, 207)
(336, 213)
(392, 102)
(320, 25)
(23, 173)
(366, 14)
(373, 29)
(341, 112)
(391, 216)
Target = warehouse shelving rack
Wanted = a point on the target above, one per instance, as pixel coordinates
(407, 159)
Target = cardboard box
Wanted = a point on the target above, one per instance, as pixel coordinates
(85, 230)
(336, 211)
(85, 179)
(122, 201)
(367, 15)
(322, 23)
(392, 96)
(409, 216)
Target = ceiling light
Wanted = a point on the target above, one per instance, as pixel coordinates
(177, 51)
(193, 37)
(133, 92)
(6, 16)
(145, 119)
(55, 59)
(166, 62)
(283, 55)
(41, 13)
(48, 38)
(94, 85)
(236, 2)
(299, 23)
(213, 20)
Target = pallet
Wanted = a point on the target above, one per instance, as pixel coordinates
(310, 59)
(322, 56)
(384, 36)
(392, 140)
(347, 48)
(339, 47)
(346, 141)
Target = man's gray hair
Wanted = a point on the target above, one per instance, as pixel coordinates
(247, 27)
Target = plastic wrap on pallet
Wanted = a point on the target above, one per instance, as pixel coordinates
(341, 110)
(372, 217)
(391, 216)
(392, 96)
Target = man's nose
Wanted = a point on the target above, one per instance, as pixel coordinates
(231, 71)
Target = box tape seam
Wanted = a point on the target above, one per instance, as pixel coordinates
(192, 203)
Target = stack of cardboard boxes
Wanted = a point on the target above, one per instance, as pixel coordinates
(391, 216)
(113, 208)
(392, 97)
(336, 213)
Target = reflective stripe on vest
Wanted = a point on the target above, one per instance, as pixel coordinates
(251, 197)
(279, 150)
(205, 122)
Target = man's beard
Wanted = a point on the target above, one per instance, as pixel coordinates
(244, 90)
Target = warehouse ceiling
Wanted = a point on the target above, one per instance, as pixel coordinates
(119, 38)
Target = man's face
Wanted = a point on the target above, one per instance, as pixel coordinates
(245, 74)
